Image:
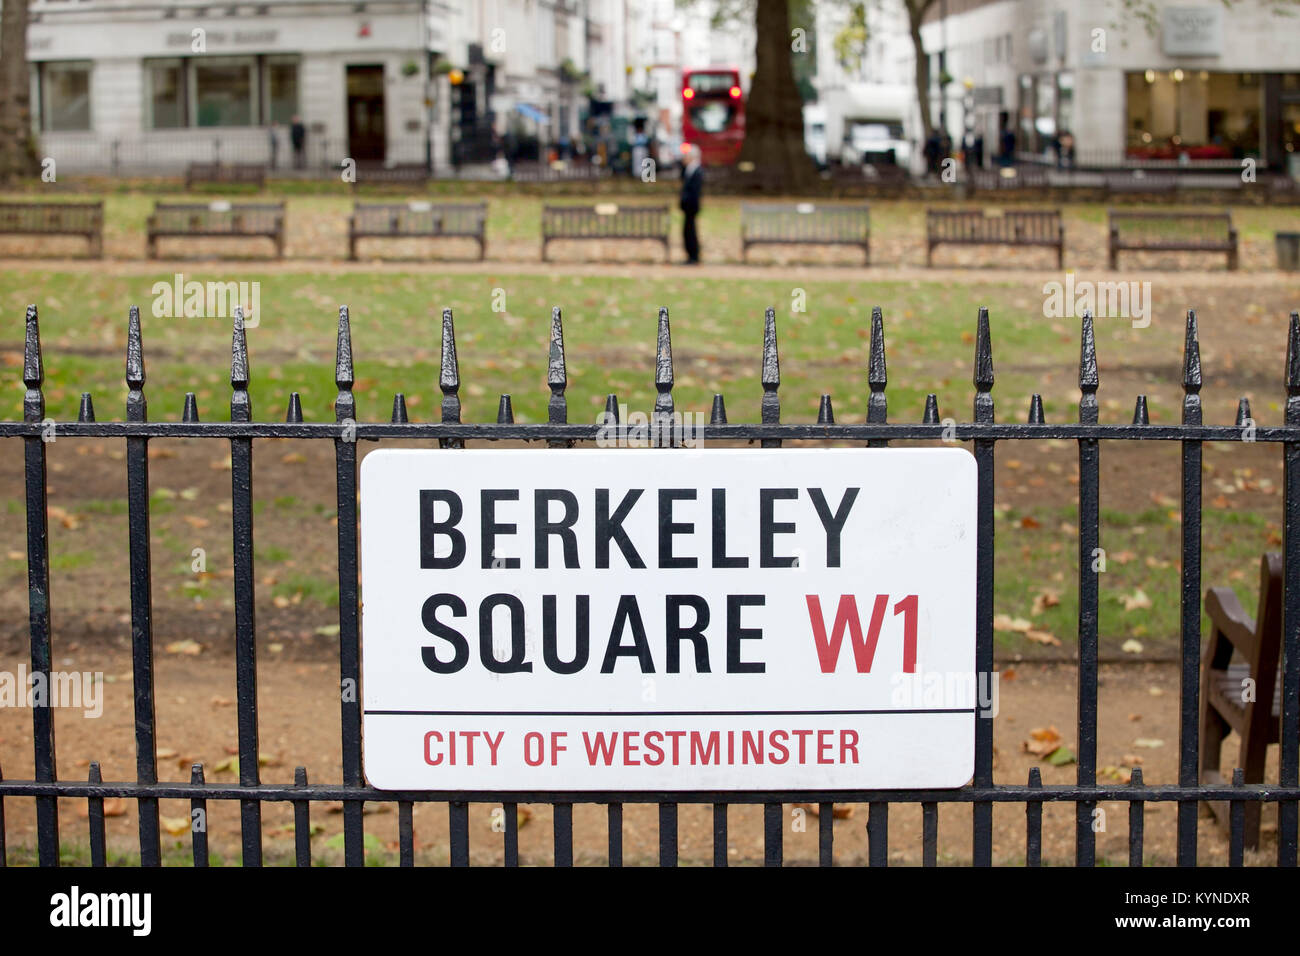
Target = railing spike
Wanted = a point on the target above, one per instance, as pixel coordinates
(931, 414)
(399, 409)
(1292, 355)
(556, 372)
(241, 408)
(1089, 378)
(449, 379)
(1036, 416)
(86, 413)
(877, 374)
(294, 414)
(505, 411)
(33, 367)
(190, 414)
(1140, 414)
(1192, 355)
(770, 407)
(718, 414)
(344, 375)
(134, 350)
(611, 409)
(983, 378)
(825, 411)
(1243, 412)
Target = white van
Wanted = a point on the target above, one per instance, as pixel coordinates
(814, 133)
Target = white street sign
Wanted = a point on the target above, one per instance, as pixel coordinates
(668, 619)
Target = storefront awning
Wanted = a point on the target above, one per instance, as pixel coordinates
(532, 112)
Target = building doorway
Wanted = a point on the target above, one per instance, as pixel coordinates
(366, 139)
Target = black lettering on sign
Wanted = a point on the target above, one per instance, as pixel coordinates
(675, 632)
(628, 613)
(544, 527)
(668, 527)
(769, 527)
(430, 529)
(428, 616)
(736, 633)
(720, 557)
(581, 635)
(489, 527)
(833, 523)
(610, 528)
(515, 662)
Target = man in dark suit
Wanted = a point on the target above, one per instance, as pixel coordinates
(692, 186)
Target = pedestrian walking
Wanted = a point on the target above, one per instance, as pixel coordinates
(692, 186)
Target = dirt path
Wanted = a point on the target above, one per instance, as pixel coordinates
(300, 726)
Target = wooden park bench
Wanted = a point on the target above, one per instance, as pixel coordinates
(1172, 232)
(1241, 649)
(418, 220)
(225, 174)
(216, 220)
(807, 224)
(55, 219)
(560, 171)
(1033, 227)
(603, 222)
(388, 174)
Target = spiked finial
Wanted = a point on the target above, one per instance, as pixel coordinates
(294, 415)
(770, 407)
(1243, 412)
(399, 409)
(241, 408)
(1036, 416)
(877, 376)
(33, 368)
(1140, 414)
(611, 409)
(196, 773)
(1191, 355)
(663, 366)
(1135, 779)
(1088, 376)
(134, 350)
(86, 413)
(190, 414)
(983, 377)
(95, 775)
(718, 413)
(931, 414)
(505, 411)
(449, 376)
(556, 373)
(345, 404)
(1035, 777)
(825, 412)
(1292, 353)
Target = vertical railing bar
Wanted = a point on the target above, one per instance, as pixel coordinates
(614, 816)
(95, 817)
(773, 835)
(1034, 823)
(878, 833)
(1089, 542)
(929, 834)
(826, 834)
(720, 847)
(563, 832)
(1136, 820)
(662, 415)
(449, 379)
(1190, 607)
(38, 591)
(557, 378)
(137, 493)
(1289, 731)
(4, 856)
(301, 822)
(1237, 822)
(511, 838)
(982, 813)
(241, 465)
(405, 833)
(198, 820)
(667, 834)
(345, 485)
(458, 824)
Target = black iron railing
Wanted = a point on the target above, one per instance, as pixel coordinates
(983, 432)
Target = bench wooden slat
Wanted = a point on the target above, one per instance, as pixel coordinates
(593, 223)
(249, 174)
(1020, 227)
(209, 220)
(805, 224)
(55, 219)
(427, 220)
(1172, 232)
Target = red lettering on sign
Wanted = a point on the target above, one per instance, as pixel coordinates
(846, 616)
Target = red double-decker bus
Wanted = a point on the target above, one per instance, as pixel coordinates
(713, 114)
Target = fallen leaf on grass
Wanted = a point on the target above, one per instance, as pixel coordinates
(1131, 646)
(1044, 600)
(176, 826)
(1042, 741)
(1060, 757)
(1005, 622)
(1148, 742)
(186, 646)
(1138, 600)
(1131, 760)
(1043, 637)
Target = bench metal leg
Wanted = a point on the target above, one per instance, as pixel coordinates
(151, 247)
(866, 253)
(544, 244)
(96, 245)
(352, 247)
(929, 254)
(1232, 267)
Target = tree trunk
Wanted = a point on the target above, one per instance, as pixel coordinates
(17, 151)
(774, 140)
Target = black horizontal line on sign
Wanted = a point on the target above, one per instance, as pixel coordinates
(662, 713)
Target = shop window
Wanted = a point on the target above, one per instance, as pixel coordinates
(164, 94)
(223, 92)
(281, 85)
(65, 96)
(220, 91)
